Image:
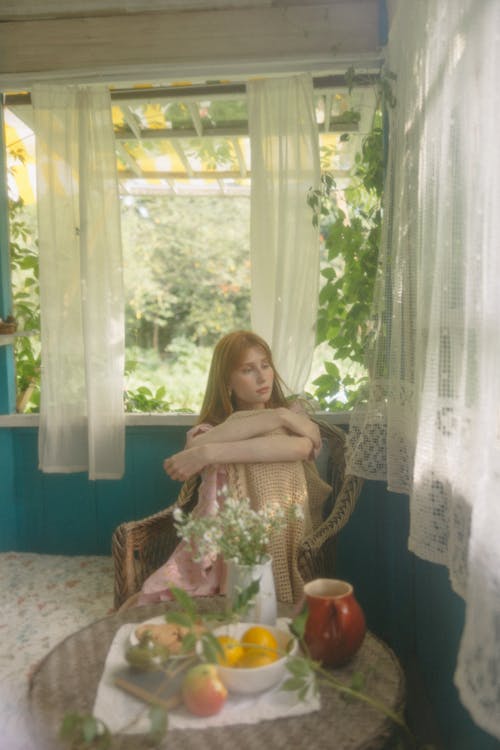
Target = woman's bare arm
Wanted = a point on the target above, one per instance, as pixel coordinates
(260, 423)
(266, 449)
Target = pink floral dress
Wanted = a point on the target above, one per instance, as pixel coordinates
(203, 578)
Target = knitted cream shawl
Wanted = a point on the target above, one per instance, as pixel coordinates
(287, 483)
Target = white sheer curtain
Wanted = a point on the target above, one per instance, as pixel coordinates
(284, 245)
(81, 289)
(432, 423)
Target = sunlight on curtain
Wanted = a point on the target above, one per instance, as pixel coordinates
(284, 246)
(81, 292)
(432, 425)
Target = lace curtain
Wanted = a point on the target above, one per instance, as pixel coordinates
(284, 245)
(81, 292)
(431, 425)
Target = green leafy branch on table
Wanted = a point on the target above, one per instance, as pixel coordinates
(86, 732)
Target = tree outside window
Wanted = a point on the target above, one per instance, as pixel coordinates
(185, 228)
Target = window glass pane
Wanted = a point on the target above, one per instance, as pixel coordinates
(187, 281)
(20, 144)
(184, 170)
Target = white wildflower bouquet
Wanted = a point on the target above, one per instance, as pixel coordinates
(236, 531)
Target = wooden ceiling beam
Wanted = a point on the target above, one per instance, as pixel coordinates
(131, 120)
(129, 160)
(23, 10)
(127, 174)
(188, 44)
(195, 117)
(222, 131)
(184, 160)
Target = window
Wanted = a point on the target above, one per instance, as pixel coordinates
(183, 160)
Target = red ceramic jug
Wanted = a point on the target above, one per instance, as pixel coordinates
(335, 625)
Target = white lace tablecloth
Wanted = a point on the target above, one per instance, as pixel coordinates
(44, 599)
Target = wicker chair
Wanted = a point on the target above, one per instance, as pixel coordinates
(140, 547)
(315, 559)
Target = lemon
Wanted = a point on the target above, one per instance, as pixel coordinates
(256, 657)
(260, 647)
(259, 636)
(233, 651)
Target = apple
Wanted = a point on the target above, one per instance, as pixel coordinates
(202, 691)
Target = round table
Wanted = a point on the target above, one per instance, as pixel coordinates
(67, 679)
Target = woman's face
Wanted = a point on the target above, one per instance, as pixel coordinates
(252, 381)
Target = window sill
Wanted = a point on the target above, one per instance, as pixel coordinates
(151, 420)
(8, 338)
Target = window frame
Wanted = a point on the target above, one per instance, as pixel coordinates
(7, 371)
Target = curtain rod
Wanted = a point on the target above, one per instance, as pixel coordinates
(207, 90)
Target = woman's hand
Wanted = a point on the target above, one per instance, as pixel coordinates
(300, 424)
(183, 465)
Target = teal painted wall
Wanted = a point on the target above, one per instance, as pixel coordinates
(8, 527)
(372, 553)
(66, 513)
(439, 623)
(410, 604)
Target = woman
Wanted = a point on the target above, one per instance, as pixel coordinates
(249, 439)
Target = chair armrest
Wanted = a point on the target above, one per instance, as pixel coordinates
(340, 513)
(140, 547)
(311, 556)
(313, 552)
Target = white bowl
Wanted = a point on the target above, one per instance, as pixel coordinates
(256, 679)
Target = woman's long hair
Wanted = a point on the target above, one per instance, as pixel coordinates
(228, 354)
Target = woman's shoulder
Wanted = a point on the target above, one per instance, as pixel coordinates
(242, 413)
(198, 429)
(299, 405)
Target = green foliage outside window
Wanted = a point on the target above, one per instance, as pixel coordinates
(186, 266)
(351, 232)
(26, 299)
(187, 282)
(351, 237)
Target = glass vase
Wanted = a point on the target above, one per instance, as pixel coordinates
(262, 608)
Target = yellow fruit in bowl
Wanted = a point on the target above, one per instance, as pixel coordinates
(255, 657)
(259, 636)
(260, 647)
(233, 651)
(263, 664)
